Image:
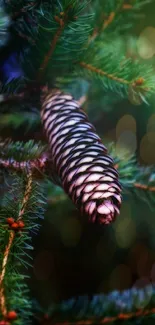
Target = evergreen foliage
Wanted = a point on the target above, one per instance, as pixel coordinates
(80, 47)
(127, 306)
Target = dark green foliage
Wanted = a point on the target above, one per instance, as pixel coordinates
(81, 47)
(20, 151)
(62, 34)
(16, 289)
(119, 72)
(71, 41)
(4, 24)
(124, 18)
(96, 308)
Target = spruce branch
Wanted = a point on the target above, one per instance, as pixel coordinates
(21, 151)
(8, 247)
(145, 187)
(123, 307)
(112, 15)
(116, 72)
(21, 157)
(135, 179)
(26, 195)
(61, 25)
(103, 73)
(33, 165)
(2, 275)
(55, 34)
(115, 16)
(62, 35)
(20, 208)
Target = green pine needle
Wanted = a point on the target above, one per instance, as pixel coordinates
(21, 151)
(15, 288)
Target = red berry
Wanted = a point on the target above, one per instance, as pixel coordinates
(12, 315)
(21, 224)
(3, 322)
(10, 221)
(14, 225)
(139, 81)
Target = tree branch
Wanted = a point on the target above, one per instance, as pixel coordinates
(103, 73)
(61, 21)
(8, 247)
(2, 274)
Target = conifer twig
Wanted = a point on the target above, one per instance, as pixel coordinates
(2, 274)
(122, 306)
(144, 187)
(38, 164)
(12, 234)
(140, 185)
(51, 50)
(103, 73)
(134, 83)
(26, 195)
(108, 319)
(61, 21)
(82, 100)
(120, 7)
(112, 15)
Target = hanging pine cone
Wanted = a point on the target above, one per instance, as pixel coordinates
(80, 159)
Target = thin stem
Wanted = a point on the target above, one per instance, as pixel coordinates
(112, 15)
(120, 7)
(35, 165)
(3, 306)
(26, 195)
(145, 187)
(103, 73)
(3, 272)
(50, 52)
(61, 21)
(133, 83)
(107, 320)
(82, 100)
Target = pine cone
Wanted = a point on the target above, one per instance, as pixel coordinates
(86, 172)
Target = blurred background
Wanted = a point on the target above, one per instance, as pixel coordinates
(72, 257)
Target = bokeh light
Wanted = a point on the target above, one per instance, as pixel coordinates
(125, 233)
(151, 137)
(125, 228)
(147, 151)
(126, 123)
(146, 43)
(151, 129)
(127, 140)
(151, 124)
